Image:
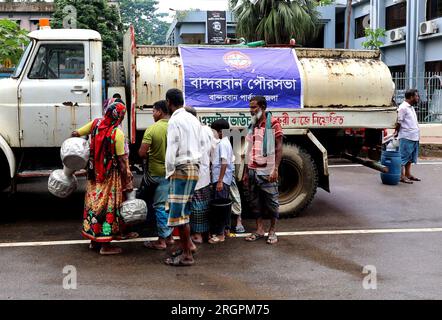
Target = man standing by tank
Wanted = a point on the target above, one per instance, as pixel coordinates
(183, 158)
(153, 148)
(264, 141)
(407, 130)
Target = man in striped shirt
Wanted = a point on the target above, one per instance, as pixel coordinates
(261, 175)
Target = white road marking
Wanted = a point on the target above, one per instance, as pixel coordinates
(360, 165)
(243, 235)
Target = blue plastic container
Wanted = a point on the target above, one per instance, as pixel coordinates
(392, 160)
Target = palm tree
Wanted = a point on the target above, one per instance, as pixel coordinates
(276, 21)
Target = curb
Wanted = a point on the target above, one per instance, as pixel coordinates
(430, 150)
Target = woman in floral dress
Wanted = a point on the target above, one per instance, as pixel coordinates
(107, 179)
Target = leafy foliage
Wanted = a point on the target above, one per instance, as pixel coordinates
(149, 28)
(97, 15)
(13, 40)
(373, 42)
(276, 21)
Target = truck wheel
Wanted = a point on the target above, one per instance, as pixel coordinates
(5, 179)
(298, 181)
(114, 74)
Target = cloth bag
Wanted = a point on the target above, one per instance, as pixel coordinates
(148, 185)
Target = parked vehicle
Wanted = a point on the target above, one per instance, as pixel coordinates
(58, 86)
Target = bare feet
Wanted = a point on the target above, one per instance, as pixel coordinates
(155, 245)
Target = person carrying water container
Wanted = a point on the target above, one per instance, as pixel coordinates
(407, 130)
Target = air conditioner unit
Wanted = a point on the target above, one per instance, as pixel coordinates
(397, 35)
(428, 27)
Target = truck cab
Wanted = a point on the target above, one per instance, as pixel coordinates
(56, 87)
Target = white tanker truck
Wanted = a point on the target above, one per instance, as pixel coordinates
(58, 86)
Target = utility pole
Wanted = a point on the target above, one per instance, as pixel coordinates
(347, 36)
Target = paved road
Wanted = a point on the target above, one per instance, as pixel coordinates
(408, 263)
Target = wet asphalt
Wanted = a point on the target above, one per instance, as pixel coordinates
(408, 265)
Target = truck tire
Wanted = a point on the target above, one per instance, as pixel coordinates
(298, 181)
(114, 74)
(5, 179)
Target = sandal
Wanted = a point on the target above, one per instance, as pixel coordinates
(240, 229)
(254, 236)
(272, 238)
(406, 180)
(414, 178)
(154, 246)
(215, 240)
(179, 261)
(110, 250)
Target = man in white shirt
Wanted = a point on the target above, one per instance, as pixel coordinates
(407, 130)
(199, 219)
(183, 158)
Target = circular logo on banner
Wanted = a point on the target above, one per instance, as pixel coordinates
(237, 60)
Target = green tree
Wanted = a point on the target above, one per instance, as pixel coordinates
(13, 40)
(97, 15)
(148, 25)
(276, 21)
(373, 41)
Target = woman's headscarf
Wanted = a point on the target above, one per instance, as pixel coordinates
(102, 148)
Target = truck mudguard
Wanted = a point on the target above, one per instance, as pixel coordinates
(9, 155)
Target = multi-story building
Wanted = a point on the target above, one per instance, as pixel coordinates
(26, 14)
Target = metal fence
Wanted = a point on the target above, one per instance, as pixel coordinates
(429, 109)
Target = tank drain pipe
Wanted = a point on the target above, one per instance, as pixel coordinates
(368, 163)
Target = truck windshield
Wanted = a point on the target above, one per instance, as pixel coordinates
(22, 62)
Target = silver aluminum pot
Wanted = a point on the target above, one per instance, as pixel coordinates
(74, 153)
(62, 183)
(133, 210)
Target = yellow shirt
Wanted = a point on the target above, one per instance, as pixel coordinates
(119, 137)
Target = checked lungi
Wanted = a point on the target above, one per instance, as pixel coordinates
(199, 219)
(181, 190)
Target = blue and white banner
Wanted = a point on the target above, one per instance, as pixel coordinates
(229, 77)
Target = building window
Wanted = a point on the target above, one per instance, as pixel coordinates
(434, 9)
(361, 24)
(398, 74)
(396, 16)
(433, 66)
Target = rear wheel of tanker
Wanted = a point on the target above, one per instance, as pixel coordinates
(298, 181)
(5, 179)
(114, 74)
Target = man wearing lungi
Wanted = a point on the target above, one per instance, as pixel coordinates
(183, 157)
(407, 129)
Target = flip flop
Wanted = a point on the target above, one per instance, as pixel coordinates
(178, 262)
(153, 245)
(111, 251)
(272, 239)
(254, 236)
(414, 178)
(406, 180)
(215, 240)
(240, 229)
(197, 241)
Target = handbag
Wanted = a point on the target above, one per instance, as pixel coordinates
(148, 185)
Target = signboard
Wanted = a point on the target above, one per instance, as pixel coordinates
(216, 27)
(230, 77)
